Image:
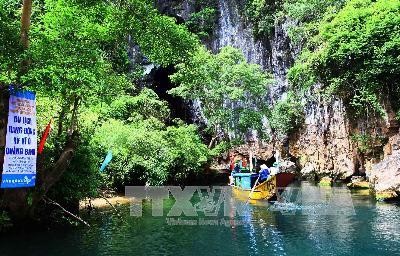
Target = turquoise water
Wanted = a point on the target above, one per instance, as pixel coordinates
(371, 228)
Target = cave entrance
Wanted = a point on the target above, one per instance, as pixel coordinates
(269, 162)
(161, 84)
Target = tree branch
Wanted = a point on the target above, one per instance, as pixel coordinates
(66, 211)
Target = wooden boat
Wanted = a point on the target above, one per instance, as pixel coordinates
(265, 190)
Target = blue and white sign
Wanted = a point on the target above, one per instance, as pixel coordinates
(19, 168)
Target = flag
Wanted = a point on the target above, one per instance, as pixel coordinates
(107, 160)
(44, 136)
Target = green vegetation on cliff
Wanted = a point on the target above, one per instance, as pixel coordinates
(355, 55)
(229, 89)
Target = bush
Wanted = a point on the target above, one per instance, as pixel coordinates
(356, 56)
(286, 116)
(368, 143)
(147, 152)
(261, 13)
(202, 22)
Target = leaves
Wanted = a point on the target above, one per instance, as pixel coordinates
(229, 90)
(286, 116)
(355, 54)
(149, 152)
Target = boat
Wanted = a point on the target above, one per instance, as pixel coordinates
(244, 185)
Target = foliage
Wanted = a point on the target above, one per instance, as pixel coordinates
(286, 116)
(147, 152)
(308, 14)
(159, 37)
(261, 13)
(146, 104)
(366, 143)
(80, 49)
(202, 22)
(230, 91)
(10, 47)
(357, 54)
(221, 148)
(82, 178)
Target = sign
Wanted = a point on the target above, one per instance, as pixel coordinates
(19, 168)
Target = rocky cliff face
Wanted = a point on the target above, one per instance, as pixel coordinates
(274, 54)
(324, 145)
(385, 175)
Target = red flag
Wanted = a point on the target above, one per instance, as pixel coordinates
(44, 137)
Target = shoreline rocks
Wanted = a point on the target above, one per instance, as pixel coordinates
(385, 175)
(325, 182)
(358, 182)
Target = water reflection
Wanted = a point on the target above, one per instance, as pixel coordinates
(302, 226)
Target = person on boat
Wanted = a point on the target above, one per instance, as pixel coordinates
(264, 173)
(236, 169)
(231, 164)
(238, 166)
(244, 163)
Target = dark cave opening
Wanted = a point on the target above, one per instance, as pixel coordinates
(161, 84)
(269, 162)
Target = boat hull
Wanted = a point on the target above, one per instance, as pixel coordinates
(266, 190)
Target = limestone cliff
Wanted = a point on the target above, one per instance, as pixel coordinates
(325, 144)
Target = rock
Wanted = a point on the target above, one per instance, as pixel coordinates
(308, 171)
(176, 8)
(387, 149)
(385, 177)
(325, 181)
(358, 185)
(358, 182)
(287, 166)
(357, 179)
(325, 139)
(386, 195)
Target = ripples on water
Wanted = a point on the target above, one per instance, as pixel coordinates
(372, 229)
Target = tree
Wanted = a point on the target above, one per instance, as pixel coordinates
(145, 150)
(230, 91)
(355, 55)
(77, 55)
(286, 116)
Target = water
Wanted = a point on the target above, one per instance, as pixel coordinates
(372, 229)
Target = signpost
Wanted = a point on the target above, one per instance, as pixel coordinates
(19, 168)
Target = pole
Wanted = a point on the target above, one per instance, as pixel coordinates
(252, 190)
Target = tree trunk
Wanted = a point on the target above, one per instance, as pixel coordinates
(26, 22)
(4, 95)
(48, 177)
(212, 142)
(25, 26)
(21, 203)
